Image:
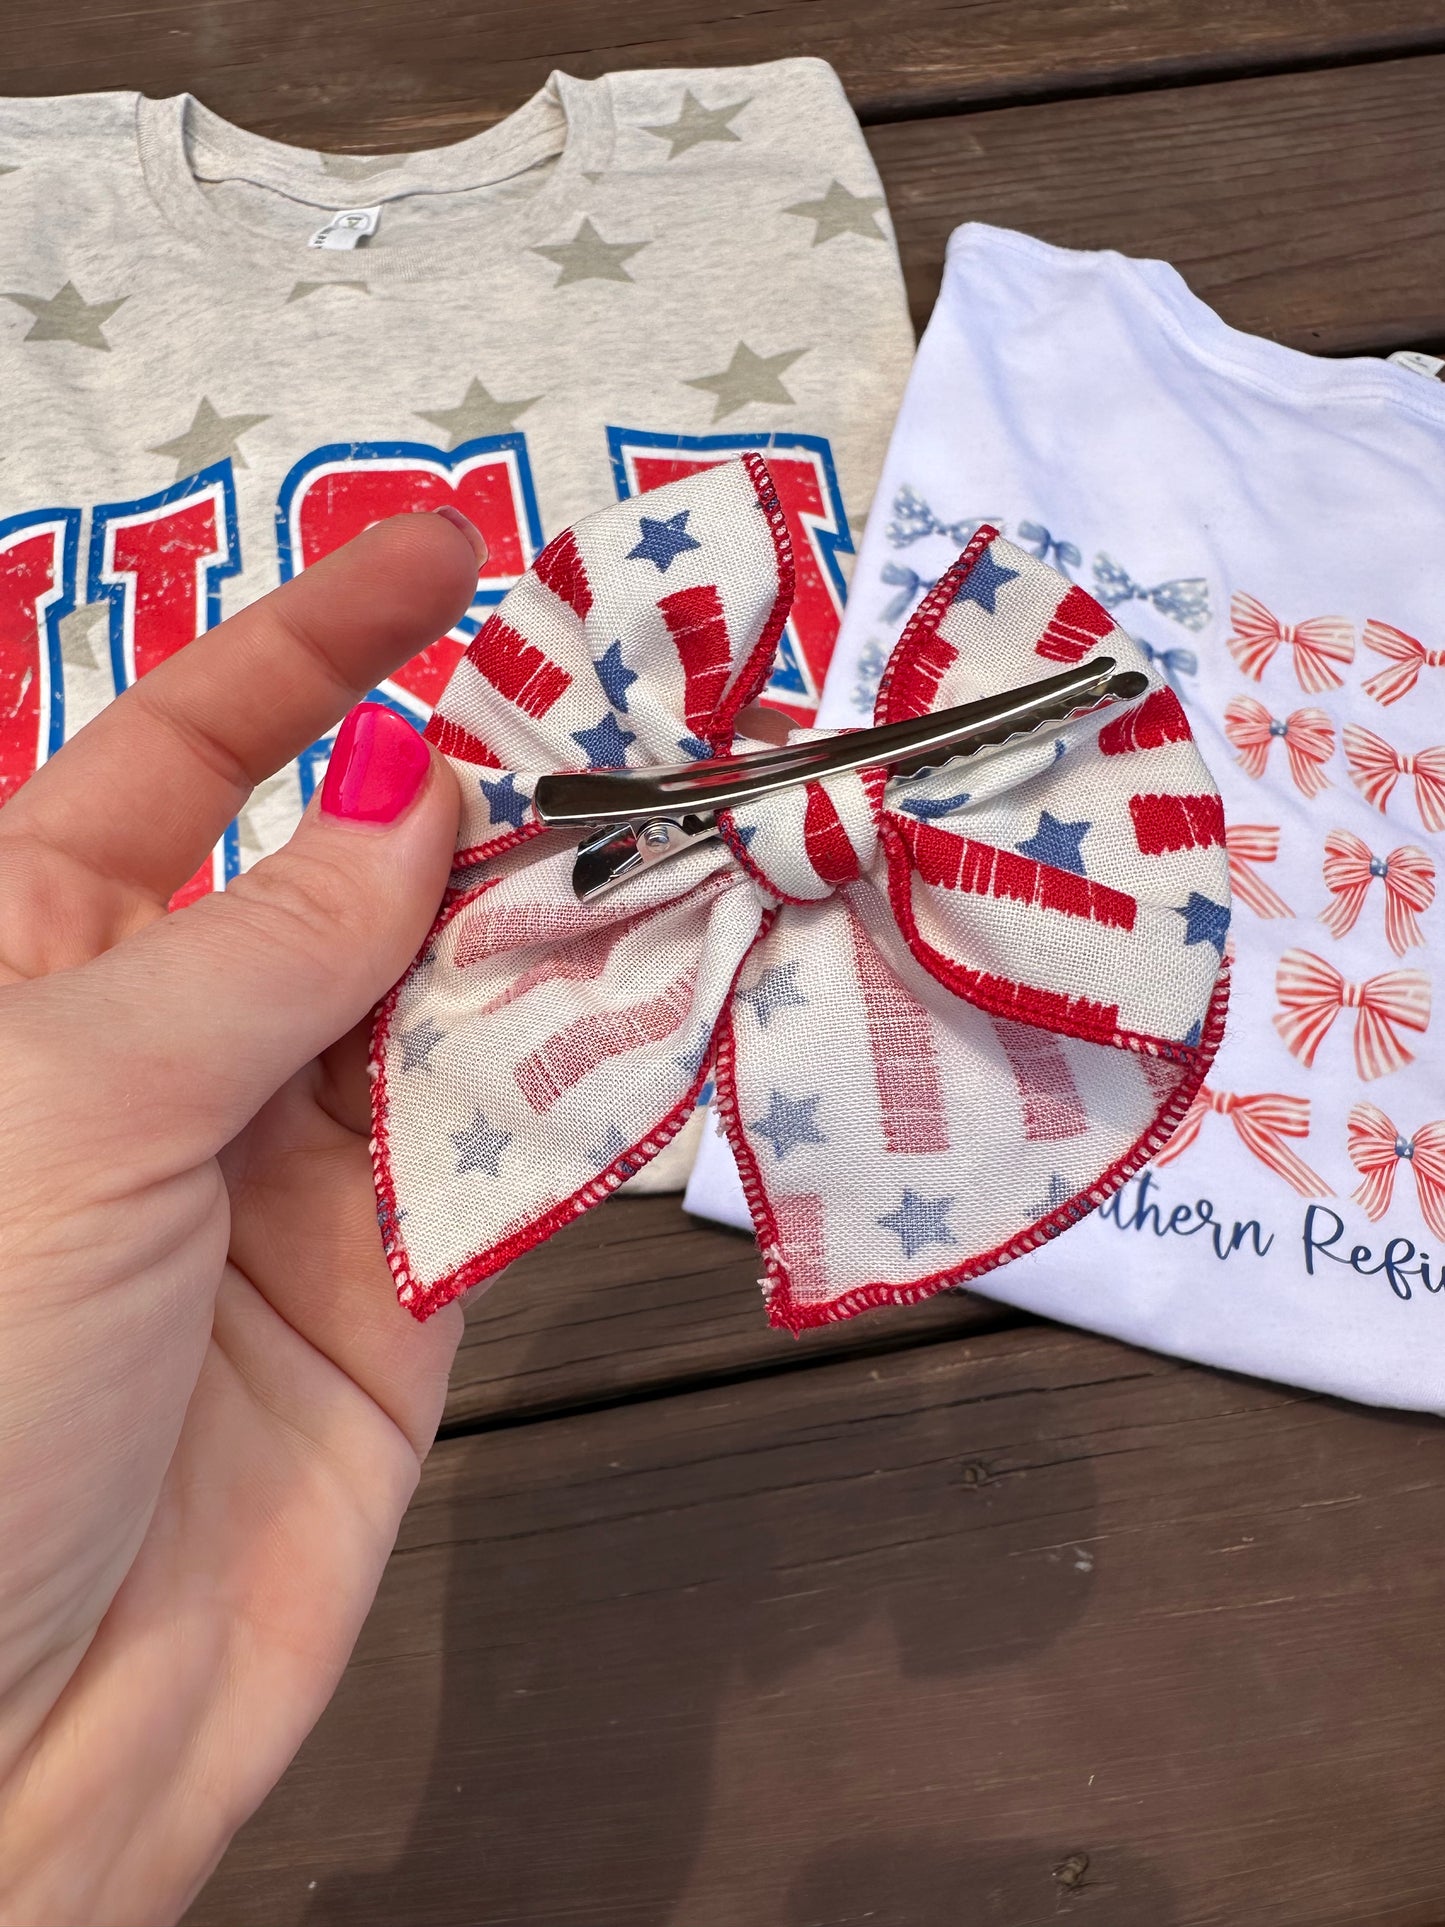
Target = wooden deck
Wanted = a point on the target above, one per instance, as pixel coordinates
(944, 1618)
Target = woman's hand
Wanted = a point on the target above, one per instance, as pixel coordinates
(212, 1409)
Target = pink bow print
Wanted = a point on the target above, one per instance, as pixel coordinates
(1408, 875)
(1308, 736)
(927, 1001)
(1377, 1151)
(1408, 656)
(1317, 644)
(1375, 768)
(1312, 993)
(1262, 1122)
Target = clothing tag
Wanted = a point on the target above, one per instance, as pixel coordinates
(1422, 363)
(346, 227)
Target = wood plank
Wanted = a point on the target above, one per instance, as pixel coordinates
(637, 1296)
(1303, 207)
(370, 75)
(896, 1641)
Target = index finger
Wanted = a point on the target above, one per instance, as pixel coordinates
(144, 792)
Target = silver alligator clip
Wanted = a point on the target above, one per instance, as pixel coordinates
(648, 815)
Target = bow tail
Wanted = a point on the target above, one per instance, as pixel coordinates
(894, 1140)
(1378, 1049)
(538, 1053)
(1267, 1144)
(1388, 685)
(1342, 914)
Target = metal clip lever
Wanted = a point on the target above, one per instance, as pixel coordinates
(623, 849)
(650, 814)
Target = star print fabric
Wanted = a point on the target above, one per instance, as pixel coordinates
(1266, 526)
(200, 403)
(946, 1015)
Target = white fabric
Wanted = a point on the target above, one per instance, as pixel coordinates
(1221, 493)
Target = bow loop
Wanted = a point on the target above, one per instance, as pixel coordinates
(946, 1013)
(1406, 656)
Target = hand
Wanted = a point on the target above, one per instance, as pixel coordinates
(212, 1409)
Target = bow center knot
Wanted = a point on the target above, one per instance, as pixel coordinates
(1405, 765)
(803, 844)
(1404, 1147)
(1435, 658)
(1277, 728)
(1379, 866)
(1222, 1101)
(1352, 996)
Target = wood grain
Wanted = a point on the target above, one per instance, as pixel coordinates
(1304, 207)
(637, 1296)
(371, 75)
(890, 1641)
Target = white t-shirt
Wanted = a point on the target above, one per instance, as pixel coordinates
(1272, 525)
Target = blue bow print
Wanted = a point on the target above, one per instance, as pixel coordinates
(909, 584)
(913, 519)
(1185, 601)
(1035, 536)
(1174, 662)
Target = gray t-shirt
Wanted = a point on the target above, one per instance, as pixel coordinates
(206, 388)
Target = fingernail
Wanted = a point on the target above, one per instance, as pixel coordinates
(468, 529)
(377, 768)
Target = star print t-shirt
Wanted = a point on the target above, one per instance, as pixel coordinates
(1272, 527)
(222, 357)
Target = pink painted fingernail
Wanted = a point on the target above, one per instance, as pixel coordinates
(377, 768)
(468, 529)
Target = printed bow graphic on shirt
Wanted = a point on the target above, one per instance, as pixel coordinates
(1174, 662)
(1377, 1150)
(1375, 768)
(1408, 876)
(1407, 656)
(1312, 993)
(946, 1014)
(1308, 736)
(1262, 1122)
(913, 521)
(1318, 644)
(1184, 600)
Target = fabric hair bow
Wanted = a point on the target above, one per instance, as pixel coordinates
(1262, 1122)
(1350, 867)
(1247, 844)
(1375, 768)
(927, 1001)
(1377, 1151)
(1317, 644)
(1312, 993)
(1407, 656)
(1185, 600)
(913, 520)
(1308, 736)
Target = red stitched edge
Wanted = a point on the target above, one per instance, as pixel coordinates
(787, 1314)
(923, 624)
(754, 672)
(428, 1298)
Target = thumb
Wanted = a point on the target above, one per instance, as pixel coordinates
(209, 1011)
